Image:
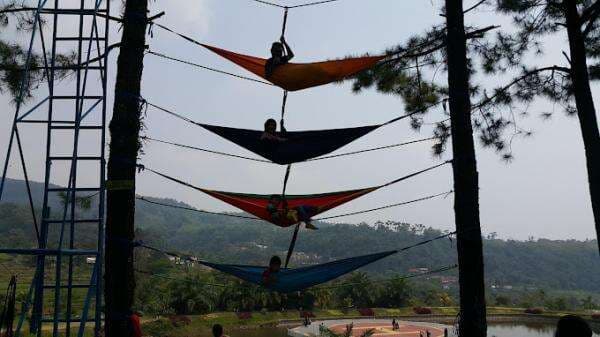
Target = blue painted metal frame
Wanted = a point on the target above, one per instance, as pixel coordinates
(69, 218)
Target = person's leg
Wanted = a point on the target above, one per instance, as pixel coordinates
(305, 213)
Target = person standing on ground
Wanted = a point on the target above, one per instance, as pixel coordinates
(572, 326)
(217, 331)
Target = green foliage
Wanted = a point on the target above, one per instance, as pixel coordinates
(549, 264)
(348, 332)
(14, 58)
(82, 202)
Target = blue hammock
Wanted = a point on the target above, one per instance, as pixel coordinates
(290, 280)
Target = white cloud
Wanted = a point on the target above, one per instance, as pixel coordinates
(188, 16)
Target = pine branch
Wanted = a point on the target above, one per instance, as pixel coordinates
(524, 76)
(474, 6)
(590, 13)
(590, 25)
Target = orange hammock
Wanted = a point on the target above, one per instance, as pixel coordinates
(298, 76)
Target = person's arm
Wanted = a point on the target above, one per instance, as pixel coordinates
(282, 127)
(289, 53)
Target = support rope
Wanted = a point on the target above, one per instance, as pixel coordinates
(445, 194)
(435, 271)
(314, 3)
(285, 180)
(390, 57)
(207, 150)
(283, 104)
(316, 219)
(151, 274)
(292, 245)
(340, 285)
(207, 68)
(308, 160)
(391, 121)
(196, 210)
(416, 173)
(408, 176)
(194, 259)
(285, 16)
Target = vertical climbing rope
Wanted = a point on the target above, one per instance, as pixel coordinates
(283, 103)
(285, 180)
(292, 245)
(285, 16)
(285, 93)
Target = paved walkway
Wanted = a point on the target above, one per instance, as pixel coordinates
(383, 328)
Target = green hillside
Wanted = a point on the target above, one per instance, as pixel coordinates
(550, 264)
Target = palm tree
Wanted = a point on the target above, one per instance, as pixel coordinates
(326, 332)
(81, 202)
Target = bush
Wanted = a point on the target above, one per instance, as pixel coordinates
(244, 315)
(534, 311)
(309, 314)
(179, 320)
(159, 327)
(366, 312)
(422, 310)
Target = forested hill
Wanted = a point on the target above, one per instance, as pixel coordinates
(552, 264)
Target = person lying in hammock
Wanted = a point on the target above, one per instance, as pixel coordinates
(281, 213)
(270, 133)
(281, 53)
(269, 276)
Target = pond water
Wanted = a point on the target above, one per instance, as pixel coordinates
(523, 330)
(494, 330)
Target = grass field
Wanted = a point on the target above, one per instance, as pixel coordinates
(163, 326)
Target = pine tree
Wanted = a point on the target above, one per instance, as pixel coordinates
(536, 19)
(13, 57)
(445, 47)
(466, 179)
(124, 147)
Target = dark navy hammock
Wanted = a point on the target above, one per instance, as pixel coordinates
(298, 145)
(290, 280)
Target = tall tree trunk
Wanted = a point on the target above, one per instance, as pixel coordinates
(466, 186)
(124, 145)
(585, 107)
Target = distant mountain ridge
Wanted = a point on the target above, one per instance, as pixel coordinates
(552, 264)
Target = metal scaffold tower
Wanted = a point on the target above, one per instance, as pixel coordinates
(66, 291)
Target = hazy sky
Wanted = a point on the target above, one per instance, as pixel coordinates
(542, 193)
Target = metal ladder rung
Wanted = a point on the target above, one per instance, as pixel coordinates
(62, 320)
(72, 127)
(75, 97)
(76, 38)
(76, 221)
(72, 11)
(77, 189)
(74, 286)
(74, 158)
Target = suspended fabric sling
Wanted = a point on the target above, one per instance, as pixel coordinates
(298, 76)
(296, 146)
(290, 280)
(256, 204)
